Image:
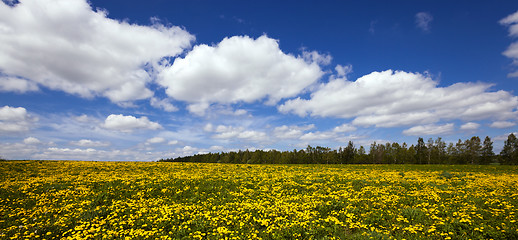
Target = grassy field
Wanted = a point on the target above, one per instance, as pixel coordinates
(135, 200)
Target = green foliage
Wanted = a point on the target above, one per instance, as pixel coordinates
(509, 154)
(470, 151)
(446, 175)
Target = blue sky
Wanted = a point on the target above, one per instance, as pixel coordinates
(144, 80)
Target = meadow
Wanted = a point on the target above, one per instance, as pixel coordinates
(138, 200)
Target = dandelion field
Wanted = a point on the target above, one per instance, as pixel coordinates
(136, 200)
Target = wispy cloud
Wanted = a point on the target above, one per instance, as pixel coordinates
(511, 52)
(423, 21)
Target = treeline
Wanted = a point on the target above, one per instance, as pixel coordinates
(433, 151)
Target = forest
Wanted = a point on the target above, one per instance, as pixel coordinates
(433, 151)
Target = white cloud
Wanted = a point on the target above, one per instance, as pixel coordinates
(301, 133)
(362, 138)
(16, 151)
(208, 127)
(502, 124)
(291, 132)
(512, 22)
(216, 148)
(65, 45)
(429, 130)
(13, 114)
(12, 84)
(83, 118)
(187, 151)
(511, 52)
(31, 140)
(230, 132)
(14, 119)
(90, 143)
(129, 123)
(390, 99)
(504, 137)
(155, 140)
(470, 126)
(344, 128)
(318, 136)
(172, 142)
(240, 112)
(314, 56)
(89, 154)
(198, 108)
(238, 69)
(164, 104)
(343, 71)
(423, 21)
(220, 110)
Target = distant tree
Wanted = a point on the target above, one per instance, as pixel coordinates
(389, 155)
(461, 156)
(509, 153)
(362, 156)
(452, 153)
(440, 146)
(349, 153)
(373, 152)
(470, 151)
(398, 153)
(421, 151)
(430, 147)
(473, 149)
(487, 154)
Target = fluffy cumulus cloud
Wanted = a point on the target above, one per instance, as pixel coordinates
(344, 128)
(129, 123)
(235, 133)
(511, 52)
(430, 129)
(337, 134)
(72, 48)
(14, 119)
(13, 84)
(303, 133)
(291, 132)
(239, 69)
(397, 98)
(423, 21)
(470, 126)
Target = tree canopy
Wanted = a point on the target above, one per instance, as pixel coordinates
(433, 151)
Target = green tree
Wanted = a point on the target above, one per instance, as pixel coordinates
(509, 153)
(349, 153)
(431, 151)
(440, 146)
(473, 149)
(461, 156)
(362, 156)
(487, 154)
(421, 151)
